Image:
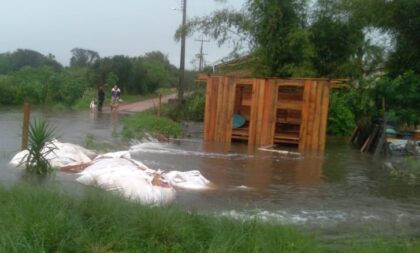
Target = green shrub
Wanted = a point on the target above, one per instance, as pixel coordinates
(10, 92)
(401, 96)
(341, 119)
(192, 109)
(143, 123)
(194, 106)
(41, 86)
(86, 98)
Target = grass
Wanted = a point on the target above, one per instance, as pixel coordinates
(43, 219)
(407, 169)
(89, 142)
(40, 219)
(136, 126)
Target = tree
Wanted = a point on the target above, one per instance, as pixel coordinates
(156, 74)
(402, 97)
(224, 26)
(278, 31)
(405, 24)
(83, 57)
(135, 74)
(10, 62)
(156, 63)
(338, 40)
(120, 65)
(112, 79)
(274, 30)
(401, 22)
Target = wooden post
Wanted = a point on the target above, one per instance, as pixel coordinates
(353, 135)
(159, 105)
(25, 128)
(382, 135)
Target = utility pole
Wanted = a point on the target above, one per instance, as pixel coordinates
(201, 54)
(182, 62)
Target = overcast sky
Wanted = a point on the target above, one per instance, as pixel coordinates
(110, 27)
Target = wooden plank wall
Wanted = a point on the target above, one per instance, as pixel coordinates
(220, 99)
(267, 111)
(314, 116)
(209, 113)
(220, 102)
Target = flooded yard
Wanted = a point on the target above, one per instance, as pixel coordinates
(336, 194)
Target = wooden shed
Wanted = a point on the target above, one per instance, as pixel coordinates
(276, 111)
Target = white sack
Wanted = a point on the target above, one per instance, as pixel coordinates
(62, 154)
(191, 180)
(125, 177)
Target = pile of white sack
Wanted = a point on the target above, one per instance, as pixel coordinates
(118, 172)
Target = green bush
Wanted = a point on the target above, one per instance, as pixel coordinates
(10, 92)
(401, 96)
(143, 123)
(194, 106)
(191, 110)
(86, 98)
(41, 86)
(341, 119)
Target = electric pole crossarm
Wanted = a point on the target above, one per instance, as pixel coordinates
(201, 54)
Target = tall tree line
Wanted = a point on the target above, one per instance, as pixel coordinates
(332, 38)
(27, 75)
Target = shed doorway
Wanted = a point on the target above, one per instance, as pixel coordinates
(288, 115)
(242, 112)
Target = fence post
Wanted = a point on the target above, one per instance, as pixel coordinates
(25, 128)
(159, 105)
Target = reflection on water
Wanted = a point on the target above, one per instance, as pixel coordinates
(328, 193)
(69, 126)
(336, 193)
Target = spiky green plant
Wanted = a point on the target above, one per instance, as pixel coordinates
(40, 137)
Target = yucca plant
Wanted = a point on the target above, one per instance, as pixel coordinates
(40, 137)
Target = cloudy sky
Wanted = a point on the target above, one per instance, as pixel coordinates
(110, 27)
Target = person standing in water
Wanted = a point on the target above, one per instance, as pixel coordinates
(101, 97)
(115, 97)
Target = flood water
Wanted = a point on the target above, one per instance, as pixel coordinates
(338, 194)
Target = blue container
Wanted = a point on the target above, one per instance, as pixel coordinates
(237, 121)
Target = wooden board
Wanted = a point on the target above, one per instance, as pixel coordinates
(324, 117)
(311, 115)
(254, 111)
(230, 109)
(305, 112)
(260, 112)
(317, 116)
(267, 103)
(291, 104)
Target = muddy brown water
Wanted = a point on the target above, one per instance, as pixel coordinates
(338, 194)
